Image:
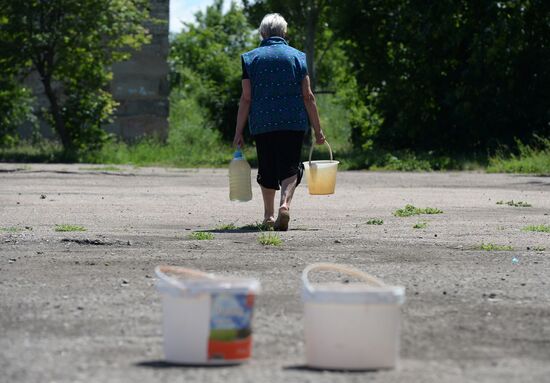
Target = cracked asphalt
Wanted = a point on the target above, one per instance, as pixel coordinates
(82, 306)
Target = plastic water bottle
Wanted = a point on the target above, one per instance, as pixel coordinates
(240, 185)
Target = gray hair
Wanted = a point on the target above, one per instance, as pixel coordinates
(273, 24)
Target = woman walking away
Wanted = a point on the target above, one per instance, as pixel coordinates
(277, 100)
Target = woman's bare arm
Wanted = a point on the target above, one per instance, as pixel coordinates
(312, 112)
(242, 115)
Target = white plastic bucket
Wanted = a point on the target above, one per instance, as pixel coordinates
(206, 319)
(321, 175)
(353, 326)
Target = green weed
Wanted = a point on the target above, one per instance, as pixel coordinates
(537, 228)
(226, 227)
(270, 239)
(375, 221)
(201, 236)
(15, 229)
(256, 227)
(410, 210)
(65, 227)
(515, 203)
(420, 225)
(493, 247)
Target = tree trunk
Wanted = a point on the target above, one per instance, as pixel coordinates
(312, 16)
(56, 113)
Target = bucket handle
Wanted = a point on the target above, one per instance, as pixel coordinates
(341, 268)
(161, 272)
(311, 151)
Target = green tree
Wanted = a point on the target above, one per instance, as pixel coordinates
(205, 63)
(71, 44)
(453, 76)
(307, 21)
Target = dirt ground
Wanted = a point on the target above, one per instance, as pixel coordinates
(82, 306)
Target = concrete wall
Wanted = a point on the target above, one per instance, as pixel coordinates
(140, 85)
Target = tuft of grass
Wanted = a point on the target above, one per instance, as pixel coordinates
(270, 239)
(201, 236)
(226, 227)
(493, 247)
(420, 225)
(14, 229)
(66, 227)
(539, 248)
(410, 210)
(375, 221)
(256, 227)
(537, 228)
(514, 203)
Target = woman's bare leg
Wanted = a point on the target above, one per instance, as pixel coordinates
(269, 204)
(287, 191)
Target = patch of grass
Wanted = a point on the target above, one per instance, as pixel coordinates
(66, 227)
(43, 151)
(375, 221)
(270, 239)
(494, 247)
(12, 229)
(410, 210)
(515, 203)
(226, 227)
(201, 236)
(537, 228)
(420, 225)
(530, 159)
(256, 227)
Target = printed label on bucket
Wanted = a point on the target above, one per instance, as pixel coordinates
(230, 326)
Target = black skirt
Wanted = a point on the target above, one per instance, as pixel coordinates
(279, 155)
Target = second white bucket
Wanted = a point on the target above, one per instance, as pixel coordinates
(353, 326)
(206, 318)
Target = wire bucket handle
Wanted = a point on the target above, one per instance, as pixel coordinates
(348, 270)
(311, 151)
(162, 273)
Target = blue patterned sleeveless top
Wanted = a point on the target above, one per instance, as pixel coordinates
(276, 71)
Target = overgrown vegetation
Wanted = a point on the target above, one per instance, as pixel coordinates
(537, 228)
(270, 239)
(494, 247)
(410, 210)
(71, 45)
(401, 86)
(529, 159)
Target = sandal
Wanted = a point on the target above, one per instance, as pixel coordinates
(281, 224)
(268, 224)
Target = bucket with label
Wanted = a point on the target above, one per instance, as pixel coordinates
(206, 318)
(321, 175)
(351, 326)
